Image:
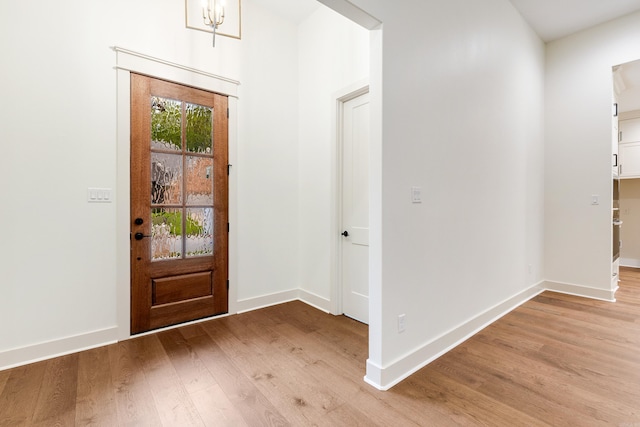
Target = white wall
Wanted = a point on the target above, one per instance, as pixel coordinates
(58, 254)
(630, 216)
(578, 152)
(267, 156)
(462, 118)
(333, 55)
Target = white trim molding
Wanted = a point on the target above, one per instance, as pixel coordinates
(136, 62)
(60, 347)
(232, 294)
(316, 301)
(269, 300)
(385, 377)
(581, 291)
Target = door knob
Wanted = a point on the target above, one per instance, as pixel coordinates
(140, 236)
(138, 221)
(345, 233)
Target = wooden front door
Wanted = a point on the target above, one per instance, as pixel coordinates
(179, 203)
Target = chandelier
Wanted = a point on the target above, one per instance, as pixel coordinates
(213, 15)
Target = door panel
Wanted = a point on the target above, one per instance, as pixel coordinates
(180, 288)
(179, 203)
(355, 208)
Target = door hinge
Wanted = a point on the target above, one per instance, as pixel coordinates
(615, 110)
(227, 284)
(227, 113)
(227, 227)
(228, 169)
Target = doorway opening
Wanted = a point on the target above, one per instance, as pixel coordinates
(626, 164)
(129, 62)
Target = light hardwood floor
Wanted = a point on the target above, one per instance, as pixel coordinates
(557, 360)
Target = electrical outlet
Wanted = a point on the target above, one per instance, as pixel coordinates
(416, 195)
(401, 323)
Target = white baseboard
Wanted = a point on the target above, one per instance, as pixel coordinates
(263, 301)
(321, 303)
(630, 262)
(383, 378)
(268, 300)
(50, 349)
(581, 291)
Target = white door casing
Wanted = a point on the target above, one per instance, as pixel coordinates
(128, 61)
(355, 207)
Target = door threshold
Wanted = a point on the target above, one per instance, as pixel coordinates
(178, 325)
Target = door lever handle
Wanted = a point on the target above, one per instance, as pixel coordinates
(140, 236)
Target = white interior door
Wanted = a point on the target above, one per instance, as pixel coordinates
(355, 208)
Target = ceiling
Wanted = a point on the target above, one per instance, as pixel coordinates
(553, 19)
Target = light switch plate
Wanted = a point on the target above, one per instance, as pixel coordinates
(99, 195)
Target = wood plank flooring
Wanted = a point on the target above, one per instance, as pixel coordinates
(558, 360)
